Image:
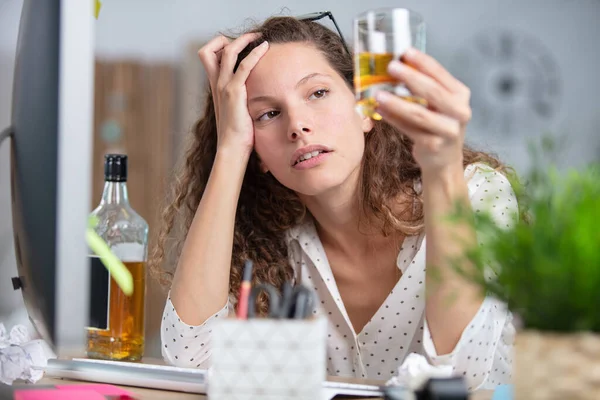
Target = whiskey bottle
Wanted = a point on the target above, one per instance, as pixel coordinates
(116, 325)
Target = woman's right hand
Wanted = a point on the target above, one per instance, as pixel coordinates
(235, 127)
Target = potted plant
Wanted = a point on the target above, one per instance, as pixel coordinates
(546, 267)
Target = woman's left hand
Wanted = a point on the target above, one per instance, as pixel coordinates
(437, 130)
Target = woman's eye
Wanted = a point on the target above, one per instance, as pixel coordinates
(268, 115)
(319, 93)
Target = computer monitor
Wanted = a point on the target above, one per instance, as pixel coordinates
(51, 148)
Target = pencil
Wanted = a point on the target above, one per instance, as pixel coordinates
(245, 287)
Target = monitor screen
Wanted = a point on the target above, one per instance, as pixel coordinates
(51, 166)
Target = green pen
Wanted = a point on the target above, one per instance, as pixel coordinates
(118, 271)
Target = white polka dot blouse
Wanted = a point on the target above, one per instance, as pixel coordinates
(483, 355)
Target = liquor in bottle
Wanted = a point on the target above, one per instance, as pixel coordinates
(116, 328)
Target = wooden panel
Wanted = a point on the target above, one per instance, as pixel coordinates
(134, 115)
(191, 91)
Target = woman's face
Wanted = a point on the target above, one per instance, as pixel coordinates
(307, 132)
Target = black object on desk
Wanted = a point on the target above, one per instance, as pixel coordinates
(295, 302)
(434, 389)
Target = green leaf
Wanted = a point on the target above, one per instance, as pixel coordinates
(548, 264)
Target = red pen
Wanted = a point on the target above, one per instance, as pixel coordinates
(245, 287)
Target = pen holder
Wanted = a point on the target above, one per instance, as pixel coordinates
(268, 359)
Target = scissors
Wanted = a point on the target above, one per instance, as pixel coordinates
(295, 302)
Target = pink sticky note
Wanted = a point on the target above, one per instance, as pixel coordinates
(53, 394)
(101, 388)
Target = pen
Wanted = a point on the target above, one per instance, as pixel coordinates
(245, 287)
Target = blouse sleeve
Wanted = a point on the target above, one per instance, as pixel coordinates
(483, 354)
(184, 345)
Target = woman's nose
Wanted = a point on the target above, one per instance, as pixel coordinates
(295, 133)
(299, 126)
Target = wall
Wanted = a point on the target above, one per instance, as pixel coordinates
(552, 40)
(551, 51)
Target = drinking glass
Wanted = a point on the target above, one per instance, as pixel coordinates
(381, 36)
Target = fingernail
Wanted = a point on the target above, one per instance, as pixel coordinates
(264, 44)
(382, 96)
(395, 67)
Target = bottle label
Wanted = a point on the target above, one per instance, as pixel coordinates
(99, 295)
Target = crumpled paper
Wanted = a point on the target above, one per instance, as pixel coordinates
(415, 371)
(20, 357)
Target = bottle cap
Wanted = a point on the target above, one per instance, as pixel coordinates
(115, 167)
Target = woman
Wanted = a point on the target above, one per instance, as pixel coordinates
(282, 170)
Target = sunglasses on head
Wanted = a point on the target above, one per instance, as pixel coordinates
(320, 15)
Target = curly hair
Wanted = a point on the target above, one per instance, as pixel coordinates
(267, 209)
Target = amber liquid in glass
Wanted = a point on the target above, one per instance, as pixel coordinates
(372, 74)
(124, 338)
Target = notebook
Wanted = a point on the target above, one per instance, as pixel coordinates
(88, 391)
(154, 376)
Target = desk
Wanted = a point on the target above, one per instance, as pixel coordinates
(150, 394)
(155, 394)
(143, 394)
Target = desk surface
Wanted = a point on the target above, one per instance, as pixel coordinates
(148, 394)
(143, 394)
(153, 394)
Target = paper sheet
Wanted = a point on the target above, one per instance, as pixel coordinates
(20, 356)
(415, 371)
(52, 394)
